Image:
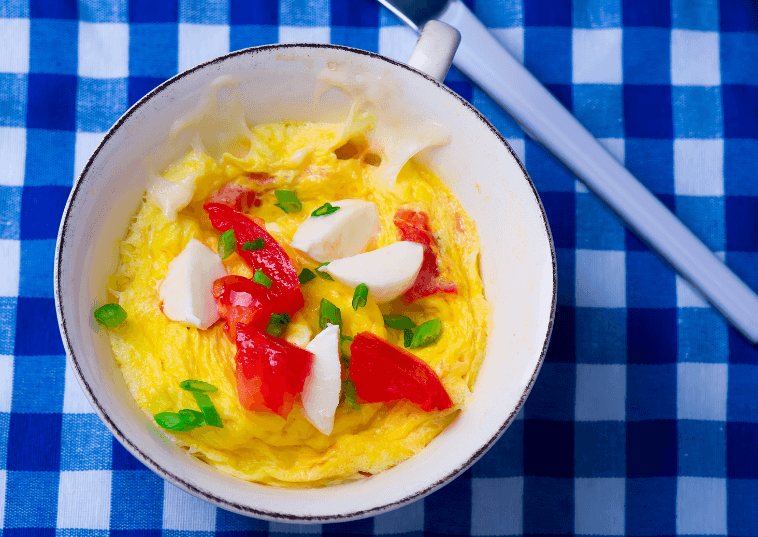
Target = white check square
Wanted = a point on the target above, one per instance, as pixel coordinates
(397, 42)
(497, 506)
(512, 39)
(695, 58)
(74, 400)
(600, 392)
(201, 42)
(599, 505)
(103, 49)
(687, 296)
(84, 500)
(701, 506)
(600, 279)
(596, 56)
(12, 155)
(299, 34)
(86, 143)
(177, 504)
(14, 46)
(698, 167)
(10, 267)
(3, 482)
(701, 391)
(6, 382)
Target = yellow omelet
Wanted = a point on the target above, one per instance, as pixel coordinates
(320, 163)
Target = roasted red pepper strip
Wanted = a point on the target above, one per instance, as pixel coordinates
(241, 300)
(414, 227)
(270, 372)
(235, 196)
(383, 372)
(272, 259)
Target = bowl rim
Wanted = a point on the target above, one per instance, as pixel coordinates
(206, 494)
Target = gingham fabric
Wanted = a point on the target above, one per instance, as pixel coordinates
(644, 419)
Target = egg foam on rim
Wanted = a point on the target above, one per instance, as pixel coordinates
(320, 163)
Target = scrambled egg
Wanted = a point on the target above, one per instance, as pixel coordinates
(155, 354)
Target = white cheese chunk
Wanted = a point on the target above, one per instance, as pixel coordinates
(388, 272)
(187, 291)
(321, 393)
(343, 233)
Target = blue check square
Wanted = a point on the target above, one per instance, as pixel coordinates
(245, 36)
(698, 112)
(647, 111)
(600, 449)
(702, 448)
(650, 283)
(14, 9)
(99, 103)
(702, 15)
(35, 390)
(599, 107)
(13, 97)
(740, 350)
(147, 38)
(741, 404)
(253, 13)
(31, 502)
(506, 457)
(565, 259)
(53, 46)
(738, 16)
(200, 12)
(645, 13)
(37, 328)
(597, 228)
(355, 13)
(34, 442)
(562, 92)
(104, 11)
(548, 448)
(41, 211)
(651, 392)
(354, 527)
(7, 324)
(547, 13)
(651, 336)
(741, 439)
(553, 394)
(37, 259)
(742, 497)
(139, 86)
(547, 54)
(449, 509)
(230, 524)
(646, 56)
(463, 88)
(49, 162)
(44, 9)
(140, 505)
(601, 335)
(562, 348)
(52, 102)
(705, 216)
(85, 443)
(149, 11)
(702, 336)
(597, 13)
(122, 459)
(652, 162)
(548, 506)
(651, 506)
(500, 14)
(304, 13)
(501, 120)
(5, 419)
(743, 264)
(739, 61)
(740, 110)
(651, 448)
(560, 210)
(741, 232)
(547, 173)
(10, 208)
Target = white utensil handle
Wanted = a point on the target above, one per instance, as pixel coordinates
(545, 119)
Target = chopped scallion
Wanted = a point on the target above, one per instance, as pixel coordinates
(360, 296)
(227, 244)
(172, 421)
(261, 278)
(192, 418)
(278, 324)
(326, 208)
(257, 244)
(305, 276)
(329, 313)
(351, 398)
(110, 315)
(407, 337)
(197, 386)
(399, 322)
(288, 202)
(209, 411)
(324, 275)
(426, 334)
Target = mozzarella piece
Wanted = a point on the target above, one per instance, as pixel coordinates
(321, 393)
(388, 272)
(341, 234)
(187, 291)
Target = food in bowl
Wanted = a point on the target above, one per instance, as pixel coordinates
(332, 317)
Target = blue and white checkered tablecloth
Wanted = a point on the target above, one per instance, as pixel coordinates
(644, 420)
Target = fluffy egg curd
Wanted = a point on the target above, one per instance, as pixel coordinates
(318, 164)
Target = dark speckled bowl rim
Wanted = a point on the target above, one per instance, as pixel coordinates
(208, 496)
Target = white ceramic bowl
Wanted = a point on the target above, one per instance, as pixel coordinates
(278, 82)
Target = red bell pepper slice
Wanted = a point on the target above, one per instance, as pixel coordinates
(383, 372)
(241, 300)
(235, 196)
(414, 227)
(271, 372)
(271, 259)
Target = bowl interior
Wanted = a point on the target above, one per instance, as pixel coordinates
(277, 83)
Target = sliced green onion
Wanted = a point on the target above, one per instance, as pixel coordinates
(227, 244)
(288, 202)
(278, 324)
(360, 296)
(426, 334)
(192, 418)
(172, 421)
(209, 411)
(261, 278)
(197, 386)
(324, 275)
(110, 315)
(257, 244)
(305, 276)
(399, 322)
(407, 337)
(326, 208)
(348, 388)
(329, 313)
